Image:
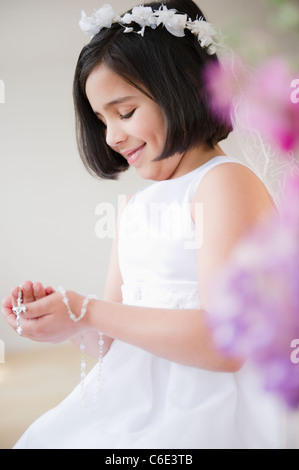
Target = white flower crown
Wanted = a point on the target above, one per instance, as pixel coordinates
(146, 17)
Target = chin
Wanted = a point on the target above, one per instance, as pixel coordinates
(147, 173)
(155, 171)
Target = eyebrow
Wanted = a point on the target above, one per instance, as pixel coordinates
(115, 102)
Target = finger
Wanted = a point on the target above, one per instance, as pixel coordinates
(49, 290)
(9, 317)
(27, 325)
(28, 295)
(37, 309)
(7, 302)
(38, 291)
(14, 296)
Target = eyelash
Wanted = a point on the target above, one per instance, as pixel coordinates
(127, 116)
(123, 116)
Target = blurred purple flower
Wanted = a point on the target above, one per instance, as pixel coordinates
(264, 99)
(255, 312)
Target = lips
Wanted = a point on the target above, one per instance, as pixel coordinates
(133, 155)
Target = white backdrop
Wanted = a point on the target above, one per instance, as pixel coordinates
(47, 199)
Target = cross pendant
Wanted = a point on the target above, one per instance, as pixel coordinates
(18, 310)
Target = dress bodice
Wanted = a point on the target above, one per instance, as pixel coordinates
(158, 243)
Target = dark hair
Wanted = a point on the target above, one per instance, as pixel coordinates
(169, 68)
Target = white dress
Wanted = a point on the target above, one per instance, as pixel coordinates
(147, 402)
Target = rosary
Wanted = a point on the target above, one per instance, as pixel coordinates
(18, 311)
(75, 319)
(20, 308)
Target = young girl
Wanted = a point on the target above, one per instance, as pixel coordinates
(140, 100)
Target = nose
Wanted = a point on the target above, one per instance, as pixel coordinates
(115, 135)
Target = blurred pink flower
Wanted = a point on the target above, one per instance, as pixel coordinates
(255, 312)
(263, 99)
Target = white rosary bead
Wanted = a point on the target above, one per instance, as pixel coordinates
(82, 345)
(100, 366)
(83, 308)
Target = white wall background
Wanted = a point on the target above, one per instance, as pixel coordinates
(47, 199)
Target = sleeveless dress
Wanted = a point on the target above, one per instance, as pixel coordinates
(147, 402)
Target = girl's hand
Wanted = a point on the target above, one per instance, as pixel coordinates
(30, 293)
(46, 318)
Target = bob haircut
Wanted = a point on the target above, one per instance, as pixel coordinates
(168, 69)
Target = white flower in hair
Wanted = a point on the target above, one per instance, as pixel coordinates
(173, 22)
(206, 34)
(106, 16)
(211, 50)
(88, 25)
(103, 18)
(142, 16)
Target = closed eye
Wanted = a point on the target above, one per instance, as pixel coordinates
(127, 116)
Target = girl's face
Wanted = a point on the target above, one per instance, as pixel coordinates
(135, 125)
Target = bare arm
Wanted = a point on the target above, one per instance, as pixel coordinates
(233, 199)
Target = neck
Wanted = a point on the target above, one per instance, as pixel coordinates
(194, 158)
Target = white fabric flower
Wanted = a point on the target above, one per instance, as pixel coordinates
(206, 34)
(127, 18)
(212, 50)
(202, 28)
(143, 16)
(173, 22)
(88, 24)
(103, 18)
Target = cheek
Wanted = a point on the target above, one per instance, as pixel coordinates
(154, 136)
(154, 130)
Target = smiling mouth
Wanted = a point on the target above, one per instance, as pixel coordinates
(135, 154)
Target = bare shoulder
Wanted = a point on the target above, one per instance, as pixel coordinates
(232, 186)
(233, 199)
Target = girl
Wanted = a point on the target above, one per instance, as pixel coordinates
(140, 100)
